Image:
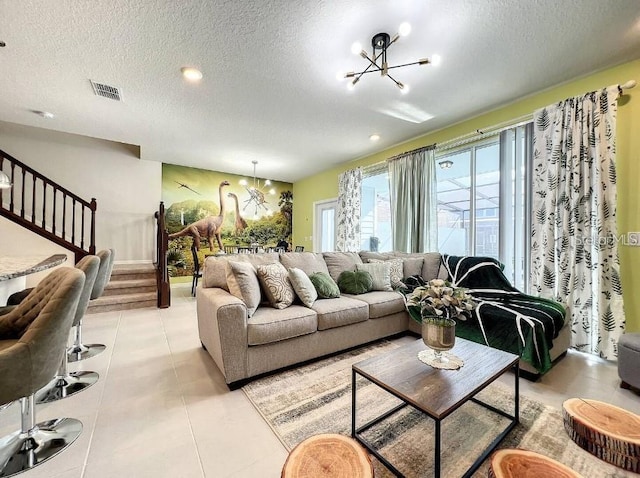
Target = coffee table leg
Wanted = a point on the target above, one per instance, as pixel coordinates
(436, 466)
(517, 391)
(353, 403)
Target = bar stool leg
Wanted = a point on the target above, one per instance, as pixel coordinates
(65, 384)
(79, 351)
(35, 443)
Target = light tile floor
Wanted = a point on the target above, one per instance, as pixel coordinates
(161, 407)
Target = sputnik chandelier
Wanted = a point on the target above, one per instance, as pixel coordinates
(257, 193)
(378, 59)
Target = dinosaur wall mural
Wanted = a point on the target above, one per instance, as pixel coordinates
(207, 227)
(204, 209)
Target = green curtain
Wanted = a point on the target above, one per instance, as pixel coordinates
(412, 186)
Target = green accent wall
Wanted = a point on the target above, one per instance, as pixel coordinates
(325, 185)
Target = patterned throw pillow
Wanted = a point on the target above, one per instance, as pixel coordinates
(358, 282)
(396, 272)
(325, 285)
(303, 286)
(275, 282)
(380, 274)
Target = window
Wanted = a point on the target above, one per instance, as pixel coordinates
(375, 215)
(324, 226)
(482, 202)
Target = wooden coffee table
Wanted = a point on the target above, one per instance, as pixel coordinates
(436, 393)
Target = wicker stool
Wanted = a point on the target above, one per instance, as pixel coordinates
(329, 455)
(605, 431)
(513, 463)
(629, 360)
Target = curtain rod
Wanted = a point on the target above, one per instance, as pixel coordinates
(498, 128)
(413, 151)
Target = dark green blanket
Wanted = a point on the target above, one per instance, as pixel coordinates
(505, 318)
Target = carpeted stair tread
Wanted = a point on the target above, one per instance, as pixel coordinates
(123, 298)
(130, 286)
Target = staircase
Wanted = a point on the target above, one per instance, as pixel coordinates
(130, 287)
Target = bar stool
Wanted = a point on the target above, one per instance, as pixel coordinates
(65, 384)
(32, 337)
(79, 351)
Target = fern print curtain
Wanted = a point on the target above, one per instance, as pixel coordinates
(348, 211)
(412, 187)
(574, 248)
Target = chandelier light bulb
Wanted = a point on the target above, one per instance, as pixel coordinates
(351, 85)
(356, 48)
(340, 76)
(436, 60)
(267, 182)
(272, 191)
(404, 89)
(404, 29)
(243, 182)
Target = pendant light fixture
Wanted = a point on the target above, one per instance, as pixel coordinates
(378, 59)
(257, 194)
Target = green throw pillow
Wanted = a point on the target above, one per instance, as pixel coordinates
(355, 282)
(325, 285)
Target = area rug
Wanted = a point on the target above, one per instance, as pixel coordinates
(316, 398)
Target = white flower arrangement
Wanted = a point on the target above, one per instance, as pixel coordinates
(440, 299)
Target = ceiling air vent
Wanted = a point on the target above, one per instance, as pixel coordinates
(107, 91)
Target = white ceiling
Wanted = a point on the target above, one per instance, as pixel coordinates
(269, 90)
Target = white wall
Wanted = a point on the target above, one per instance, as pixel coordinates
(127, 189)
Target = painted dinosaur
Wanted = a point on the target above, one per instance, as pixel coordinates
(240, 224)
(208, 227)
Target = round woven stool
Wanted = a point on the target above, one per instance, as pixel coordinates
(606, 431)
(328, 455)
(515, 463)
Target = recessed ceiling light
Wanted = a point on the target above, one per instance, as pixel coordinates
(191, 74)
(374, 137)
(44, 114)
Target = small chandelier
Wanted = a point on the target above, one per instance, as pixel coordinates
(381, 43)
(257, 194)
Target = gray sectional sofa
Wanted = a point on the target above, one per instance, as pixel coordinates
(244, 346)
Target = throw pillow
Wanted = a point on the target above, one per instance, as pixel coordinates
(275, 282)
(243, 283)
(396, 271)
(380, 275)
(303, 286)
(325, 285)
(355, 282)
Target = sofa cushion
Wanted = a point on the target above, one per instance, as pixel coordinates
(215, 267)
(382, 303)
(325, 286)
(309, 262)
(368, 256)
(431, 267)
(412, 266)
(341, 311)
(338, 262)
(243, 283)
(271, 325)
(380, 274)
(355, 282)
(303, 286)
(274, 279)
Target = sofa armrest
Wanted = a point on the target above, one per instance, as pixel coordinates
(222, 326)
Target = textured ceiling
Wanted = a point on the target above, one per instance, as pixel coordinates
(269, 91)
